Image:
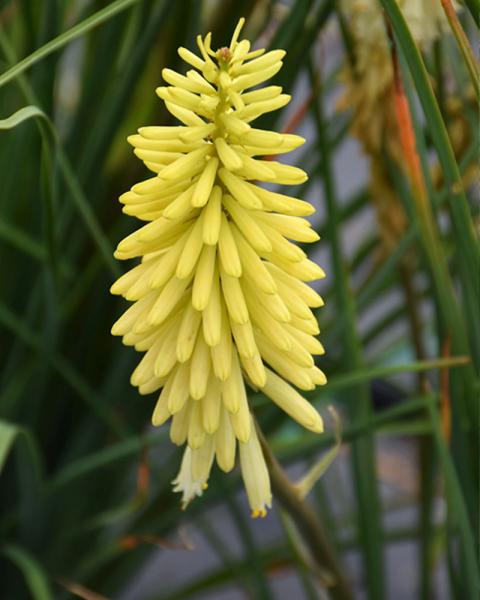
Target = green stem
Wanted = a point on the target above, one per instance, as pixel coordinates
(309, 527)
(462, 41)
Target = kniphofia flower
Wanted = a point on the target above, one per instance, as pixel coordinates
(220, 297)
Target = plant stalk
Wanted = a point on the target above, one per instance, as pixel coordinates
(462, 41)
(309, 527)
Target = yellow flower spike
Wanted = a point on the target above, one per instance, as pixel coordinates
(219, 297)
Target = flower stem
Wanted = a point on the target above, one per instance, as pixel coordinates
(308, 525)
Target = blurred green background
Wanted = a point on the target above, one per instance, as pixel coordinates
(85, 496)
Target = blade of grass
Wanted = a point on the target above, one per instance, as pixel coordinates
(462, 41)
(257, 576)
(47, 133)
(468, 248)
(351, 379)
(296, 547)
(469, 303)
(369, 373)
(11, 322)
(64, 38)
(222, 550)
(76, 193)
(120, 96)
(466, 407)
(292, 449)
(9, 435)
(458, 514)
(33, 573)
(104, 458)
(21, 241)
(366, 493)
(474, 8)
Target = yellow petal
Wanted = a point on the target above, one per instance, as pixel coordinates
(202, 460)
(211, 404)
(187, 165)
(249, 80)
(166, 264)
(205, 183)
(167, 300)
(291, 227)
(176, 389)
(202, 284)
(191, 58)
(212, 217)
(191, 251)
(309, 295)
(255, 475)
(225, 443)
(234, 298)
(240, 190)
(135, 312)
(257, 64)
(161, 414)
(181, 207)
(265, 93)
(212, 315)
(308, 342)
(292, 403)
(234, 125)
(254, 369)
(233, 388)
(187, 334)
(178, 80)
(254, 268)
(222, 352)
(241, 420)
(184, 115)
(255, 109)
(245, 221)
(200, 369)
(264, 321)
(165, 355)
(244, 339)
(227, 249)
(284, 364)
(196, 433)
(227, 155)
(180, 425)
(272, 303)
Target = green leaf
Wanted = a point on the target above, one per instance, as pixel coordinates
(68, 372)
(25, 113)
(78, 30)
(468, 247)
(10, 434)
(71, 180)
(456, 507)
(33, 573)
(308, 481)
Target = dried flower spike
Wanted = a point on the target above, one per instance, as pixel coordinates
(219, 293)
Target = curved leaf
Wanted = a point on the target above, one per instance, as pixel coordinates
(78, 30)
(34, 575)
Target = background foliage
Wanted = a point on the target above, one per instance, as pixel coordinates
(85, 495)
